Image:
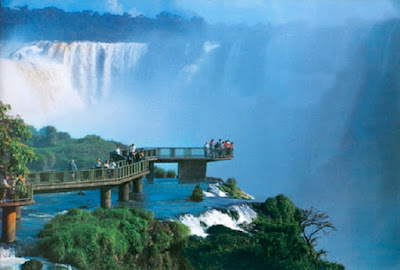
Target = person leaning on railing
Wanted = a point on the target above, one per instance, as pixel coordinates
(20, 188)
(4, 188)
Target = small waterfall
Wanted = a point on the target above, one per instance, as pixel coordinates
(233, 218)
(8, 259)
(213, 191)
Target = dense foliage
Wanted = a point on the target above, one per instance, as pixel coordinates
(14, 153)
(119, 238)
(230, 187)
(56, 149)
(161, 173)
(123, 238)
(55, 24)
(275, 241)
(197, 194)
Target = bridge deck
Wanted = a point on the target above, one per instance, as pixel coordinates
(63, 181)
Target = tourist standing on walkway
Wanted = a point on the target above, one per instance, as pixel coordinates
(206, 149)
(98, 164)
(118, 150)
(74, 169)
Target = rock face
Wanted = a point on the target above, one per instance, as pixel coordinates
(32, 265)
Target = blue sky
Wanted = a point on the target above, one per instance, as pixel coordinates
(319, 12)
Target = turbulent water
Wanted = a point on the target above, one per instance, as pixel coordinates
(166, 198)
(313, 111)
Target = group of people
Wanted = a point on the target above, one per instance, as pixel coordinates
(13, 187)
(131, 155)
(109, 165)
(218, 149)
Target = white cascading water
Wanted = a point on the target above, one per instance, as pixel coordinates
(59, 77)
(199, 225)
(8, 259)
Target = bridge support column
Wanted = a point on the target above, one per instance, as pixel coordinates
(123, 192)
(105, 197)
(137, 185)
(18, 211)
(9, 224)
(192, 169)
(150, 176)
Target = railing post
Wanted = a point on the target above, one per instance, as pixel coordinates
(65, 176)
(51, 177)
(37, 178)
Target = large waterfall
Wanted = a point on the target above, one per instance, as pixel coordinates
(313, 111)
(58, 78)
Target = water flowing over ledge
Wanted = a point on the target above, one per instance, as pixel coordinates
(199, 225)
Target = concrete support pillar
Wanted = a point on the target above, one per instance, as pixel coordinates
(137, 185)
(123, 192)
(18, 211)
(150, 176)
(192, 169)
(9, 224)
(105, 197)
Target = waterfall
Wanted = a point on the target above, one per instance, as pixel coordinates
(47, 78)
(90, 64)
(199, 225)
(8, 260)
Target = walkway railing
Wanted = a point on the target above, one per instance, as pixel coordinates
(122, 170)
(16, 193)
(186, 152)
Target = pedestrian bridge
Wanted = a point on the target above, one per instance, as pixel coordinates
(127, 175)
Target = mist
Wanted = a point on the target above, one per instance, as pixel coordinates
(310, 97)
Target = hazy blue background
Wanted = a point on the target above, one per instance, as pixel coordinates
(308, 90)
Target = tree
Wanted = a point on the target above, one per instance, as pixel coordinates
(312, 223)
(14, 153)
(197, 194)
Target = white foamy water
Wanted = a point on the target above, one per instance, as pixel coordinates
(8, 260)
(50, 79)
(199, 225)
(90, 64)
(213, 189)
(208, 194)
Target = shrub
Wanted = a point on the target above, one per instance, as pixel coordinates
(197, 194)
(171, 174)
(118, 238)
(32, 265)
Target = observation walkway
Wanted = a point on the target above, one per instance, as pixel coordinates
(127, 175)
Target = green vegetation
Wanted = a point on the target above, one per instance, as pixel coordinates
(197, 194)
(32, 265)
(282, 237)
(119, 238)
(161, 173)
(232, 189)
(275, 241)
(55, 24)
(56, 149)
(14, 153)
